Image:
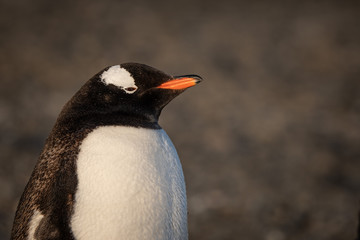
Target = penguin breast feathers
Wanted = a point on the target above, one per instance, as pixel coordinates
(130, 184)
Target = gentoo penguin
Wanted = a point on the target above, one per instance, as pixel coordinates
(108, 170)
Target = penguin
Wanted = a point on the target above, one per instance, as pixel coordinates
(108, 170)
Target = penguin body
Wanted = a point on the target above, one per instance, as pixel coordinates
(108, 170)
(133, 174)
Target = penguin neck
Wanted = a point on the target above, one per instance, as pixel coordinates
(75, 121)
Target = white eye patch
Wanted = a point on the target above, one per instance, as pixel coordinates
(119, 77)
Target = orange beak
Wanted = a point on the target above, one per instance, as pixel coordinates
(181, 82)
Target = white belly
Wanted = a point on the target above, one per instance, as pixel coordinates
(130, 186)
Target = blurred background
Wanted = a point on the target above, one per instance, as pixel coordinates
(269, 142)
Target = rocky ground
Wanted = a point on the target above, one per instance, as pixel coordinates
(270, 141)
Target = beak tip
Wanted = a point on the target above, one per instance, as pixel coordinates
(197, 79)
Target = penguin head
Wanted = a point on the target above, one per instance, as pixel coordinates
(129, 94)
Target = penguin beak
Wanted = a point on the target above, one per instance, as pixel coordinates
(181, 82)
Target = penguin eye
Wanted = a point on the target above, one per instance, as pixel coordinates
(130, 89)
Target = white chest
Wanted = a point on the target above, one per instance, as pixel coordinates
(130, 186)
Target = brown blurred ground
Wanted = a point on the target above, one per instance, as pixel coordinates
(270, 142)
